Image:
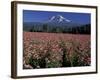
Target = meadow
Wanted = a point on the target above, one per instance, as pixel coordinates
(54, 50)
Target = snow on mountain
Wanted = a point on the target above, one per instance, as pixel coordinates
(59, 18)
(54, 22)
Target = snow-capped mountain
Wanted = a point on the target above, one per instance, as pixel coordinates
(59, 18)
(60, 21)
(53, 22)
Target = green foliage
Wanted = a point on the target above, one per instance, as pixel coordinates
(65, 61)
(53, 64)
(34, 62)
(42, 63)
(45, 27)
(75, 60)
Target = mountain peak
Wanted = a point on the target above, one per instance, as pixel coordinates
(59, 18)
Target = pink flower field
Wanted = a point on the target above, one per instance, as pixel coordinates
(54, 50)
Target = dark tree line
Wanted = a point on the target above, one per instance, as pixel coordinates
(84, 29)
